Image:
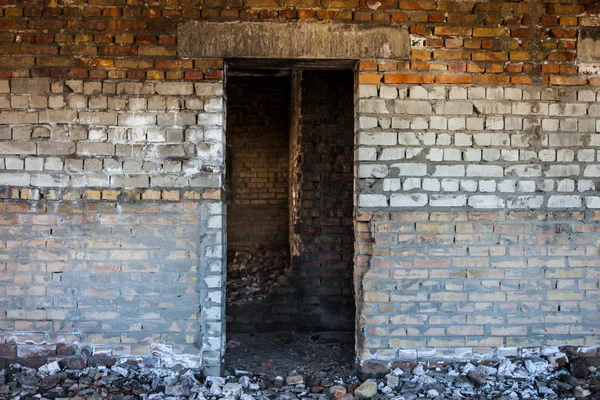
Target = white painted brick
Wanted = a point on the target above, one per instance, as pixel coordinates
(584, 185)
(412, 183)
(507, 186)
(568, 109)
(378, 138)
(372, 171)
(372, 106)
(513, 93)
(447, 200)
(366, 91)
(443, 139)
(450, 185)
(491, 154)
(452, 155)
(458, 93)
(454, 107)
(413, 152)
(391, 184)
(564, 201)
(418, 107)
(494, 123)
(435, 155)
(509, 155)
(487, 186)
(400, 123)
(468, 185)
(526, 186)
(485, 170)
(431, 184)
(550, 125)
(409, 169)
(524, 171)
(592, 171)
(393, 153)
(457, 124)
(367, 122)
(586, 155)
(565, 155)
(408, 200)
(417, 92)
(485, 201)
(419, 123)
(475, 124)
(366, 154)
(437, 122)
(476, 93)
(473, 155)
(531, 202)
(449, 170)
(388, 92)
(565, 185)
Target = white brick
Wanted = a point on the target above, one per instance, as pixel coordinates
(584, 185)
(548, 185)
(524, 171)
(564, 201)
(175, 88)
(525, 108)
(592, 171)
(447, 200)
(586, 95)
(431, 184)
(34, 164)
(473, 155)
(367, 122)
(14, 179)
(393, 153)
(412, 183)
(594, 110)
(14, 163)
(494, 123)
(419, 123)
(476, 93)
(568, 124)
(492, 107)
(412, 107)
(454, 107)
(372, 106)
(437, 93)
(213, 104)
(408, 200)
(565, 185)
(435, 155)
(365, 91)
(566, 140)
(366, 154)
(215, 89)
(378, 138)
(413, 152)
(487, 186)
(507, 186)
(372, 171)
(400, 123)
(458, 93)
(524, 155)
(384, 122)
(491, 154)
(587, 125)
(408, 139)
(391, 184)
(443, 139)
(409, 169)
(427, 138)
(565, 155)
(452, 155)
(372, 200)
(17, 148)
(568, 109)
(495, 93)
(510, 155)
(492, 139)
(526, 186)
(547, 155)
(450, 185)
(437, 122)
(388, 92)
(513, 123)
(49, 180)
(513, 93)
(485, 170)
(590, 201)
(562, 170)
(463, 139)
(457, 124)
(550, 125)
(468, 185)
(532, 202)
(53, 164)
(486, 201)
(475, 124)
(417, 92)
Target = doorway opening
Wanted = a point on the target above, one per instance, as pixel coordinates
(290, 235)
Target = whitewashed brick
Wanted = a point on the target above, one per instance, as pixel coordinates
(372, 200)
(388, 92)
(485, 201)
(431, 185)
(410, 169)
(408, 200)
(447, 200)
(485, 170)
(412, 183)
(378, 138)
(564, 201)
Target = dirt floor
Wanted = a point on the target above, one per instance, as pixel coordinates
(280, 353)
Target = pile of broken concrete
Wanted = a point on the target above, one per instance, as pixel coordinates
(550, 377)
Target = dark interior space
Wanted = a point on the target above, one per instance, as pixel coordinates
(290, 137)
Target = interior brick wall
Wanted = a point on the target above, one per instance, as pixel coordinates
(258, 111)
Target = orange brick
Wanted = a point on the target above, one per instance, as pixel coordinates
(452, 31)
(367, 66)
(454, 78)
(490, 56)
(421, 54)
(519, 56)
(370, 79)
(520, 80)
(401, 78)
(491, 32)
(451, 55)
(491, 79)
(417, 5)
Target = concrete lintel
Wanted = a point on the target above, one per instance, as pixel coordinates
(288, 40)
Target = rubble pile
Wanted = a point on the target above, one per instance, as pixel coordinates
(549, 377)
(251, 276)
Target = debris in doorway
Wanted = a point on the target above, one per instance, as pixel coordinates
(251, 276)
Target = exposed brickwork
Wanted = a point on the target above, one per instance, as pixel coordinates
(258, 157)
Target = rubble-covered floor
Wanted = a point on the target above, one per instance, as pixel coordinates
(554, 376)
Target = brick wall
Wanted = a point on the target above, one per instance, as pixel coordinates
(492, 162)
(258, 149)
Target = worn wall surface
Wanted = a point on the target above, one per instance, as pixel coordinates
(476, 173)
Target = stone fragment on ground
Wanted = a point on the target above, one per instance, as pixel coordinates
(540, 377)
